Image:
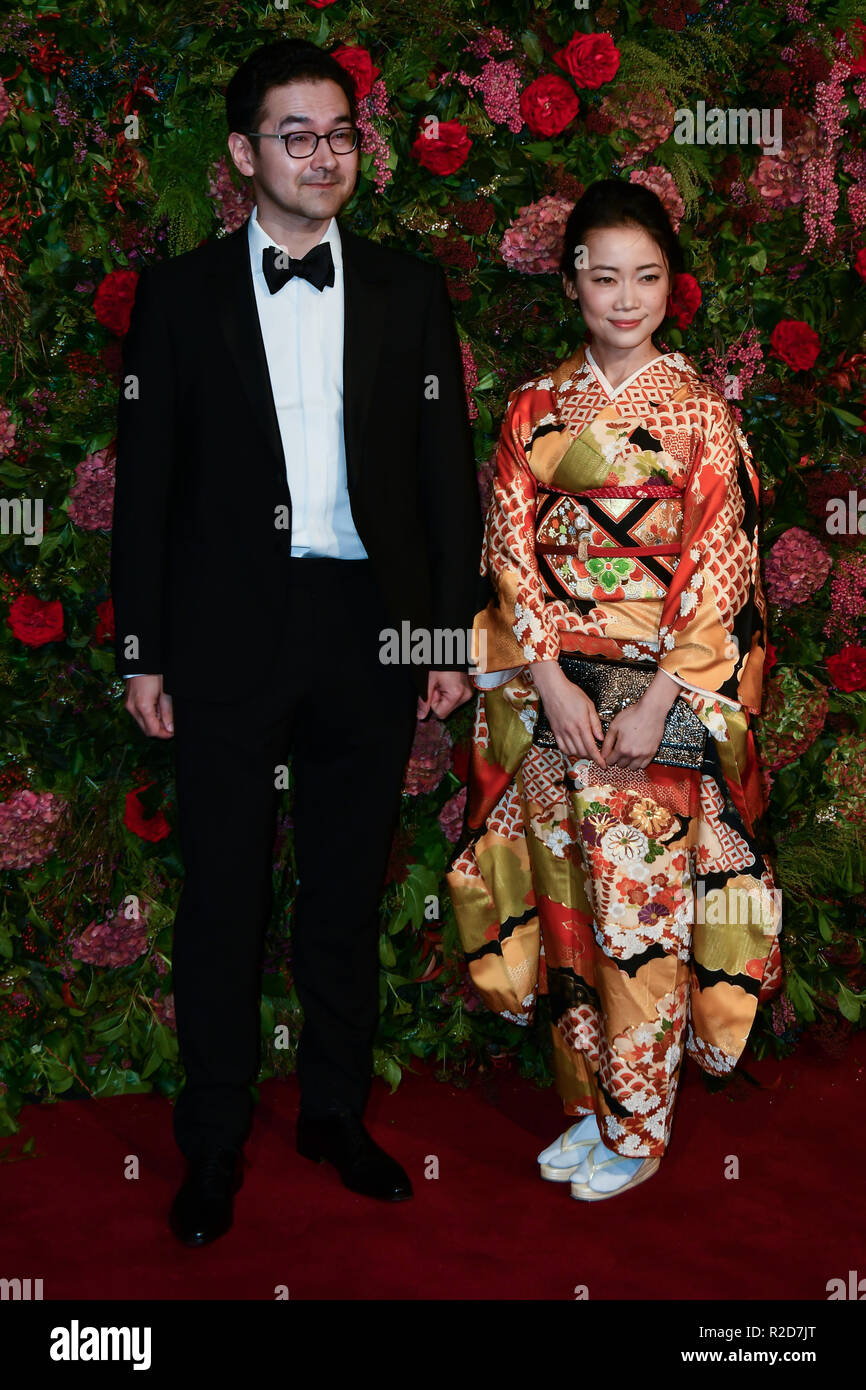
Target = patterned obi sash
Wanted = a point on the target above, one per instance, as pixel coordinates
(583, 550)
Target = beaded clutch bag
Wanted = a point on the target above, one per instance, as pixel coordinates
(611, 685)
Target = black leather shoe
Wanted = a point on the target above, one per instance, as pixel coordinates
(202, 1209)
(341, 1139)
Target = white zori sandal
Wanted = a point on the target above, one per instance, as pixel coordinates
(611, 1173)
(567, 1156)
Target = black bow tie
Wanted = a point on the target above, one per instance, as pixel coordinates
(317, 266)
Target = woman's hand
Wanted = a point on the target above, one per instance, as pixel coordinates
(572, 715)
(633, 735)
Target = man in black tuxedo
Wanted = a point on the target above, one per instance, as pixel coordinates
(294, 475)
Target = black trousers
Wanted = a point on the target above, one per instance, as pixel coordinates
(347, 721)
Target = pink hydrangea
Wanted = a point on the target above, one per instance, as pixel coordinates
(780, 178)
(451, 815)
(5, 102)
(164, 1010)
(660, 182)
(429, 759)
(119, 940)
(649, 116)
(532, 244)
(796, 567)
(7, 431)
(91, 498)
(29, 825)
(233, 204)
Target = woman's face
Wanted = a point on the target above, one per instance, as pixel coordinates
(622, 286)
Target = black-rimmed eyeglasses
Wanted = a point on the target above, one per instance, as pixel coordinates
(302, 143)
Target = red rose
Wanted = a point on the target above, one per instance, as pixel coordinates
(105, 625)
(358, 62)
(590, 59)
(548, 105)
(684, 299)
(770, 657)
(794, 342)
(443, 148)
(860, 263)
(152, 829)
(320, 4)
(858, 65)
(113, 301)
(847, 669)
(34, 621)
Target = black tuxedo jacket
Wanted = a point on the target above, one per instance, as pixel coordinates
(199, 563)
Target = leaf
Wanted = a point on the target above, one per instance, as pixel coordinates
(825, 925)
(846, 417)
(153, 1063)
(849, 1005)
(532, 46)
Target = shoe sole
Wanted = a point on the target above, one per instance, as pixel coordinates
(584, 1193)
(557, 1174)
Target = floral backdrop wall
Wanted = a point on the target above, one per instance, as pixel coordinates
(114, 140)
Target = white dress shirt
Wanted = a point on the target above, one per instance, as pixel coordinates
(302, 329)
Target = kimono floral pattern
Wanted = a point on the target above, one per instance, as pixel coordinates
(640, 901)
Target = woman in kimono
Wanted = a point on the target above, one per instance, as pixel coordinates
(623, 528)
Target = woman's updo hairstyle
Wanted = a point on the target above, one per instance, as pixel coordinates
(618, 203)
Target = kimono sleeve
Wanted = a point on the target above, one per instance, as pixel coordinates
(711, 622)
(508, 553)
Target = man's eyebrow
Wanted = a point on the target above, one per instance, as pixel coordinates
(307, 119)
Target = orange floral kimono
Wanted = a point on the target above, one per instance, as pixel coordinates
(623, 524)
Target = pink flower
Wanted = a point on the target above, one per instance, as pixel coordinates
(796, 567)
(781, 178)
(499, 85)
(7, 431)
(451, 815)
(470, 378)
(233, 204)
(91, 498)
(119, 940)
(533, 242)
(5, 103)
(29, 824)
(429, 759)
(650, 116)
(660, 182)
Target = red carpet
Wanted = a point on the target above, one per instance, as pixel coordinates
(487, 1227)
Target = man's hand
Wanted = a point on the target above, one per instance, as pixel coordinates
(149, 706)
(445, 691)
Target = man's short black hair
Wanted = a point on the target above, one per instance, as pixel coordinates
(274, 64)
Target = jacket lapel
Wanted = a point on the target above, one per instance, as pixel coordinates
(242, 334)
(365, 295)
